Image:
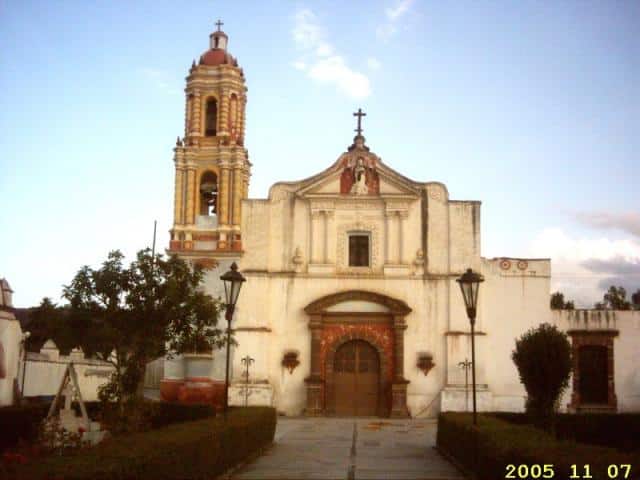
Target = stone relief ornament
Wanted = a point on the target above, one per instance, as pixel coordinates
(359, 176)
(297, 259)
(505, 264)
(522, 264)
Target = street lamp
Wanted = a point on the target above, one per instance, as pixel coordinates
(470, 285)
(233, 281)
(23, 344)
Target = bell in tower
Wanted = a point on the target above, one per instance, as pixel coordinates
(212, 168)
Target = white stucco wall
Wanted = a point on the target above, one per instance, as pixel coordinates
(295, 252)
(11, 338)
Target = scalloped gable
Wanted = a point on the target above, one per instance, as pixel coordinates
(327, 182)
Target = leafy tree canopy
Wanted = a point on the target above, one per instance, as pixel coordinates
(614, 299)
(129, 315)
(558, 302)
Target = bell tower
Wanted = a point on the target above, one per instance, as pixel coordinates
(212, 168)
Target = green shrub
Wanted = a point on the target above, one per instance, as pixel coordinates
(20, 423)
(543, 358)
(200, 449)
(498, 443)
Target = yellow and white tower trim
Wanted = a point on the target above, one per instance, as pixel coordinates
(212, 168)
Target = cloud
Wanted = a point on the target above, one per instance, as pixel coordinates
(321, 61)
(583, 268)
(159, 79)
(333, 70)
(400, 9)
(616, 265)
(627, 222)
(393, 14)
(300, 65)
(373, 63)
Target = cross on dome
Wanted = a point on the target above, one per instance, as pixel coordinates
(359, 114)
(219, 24)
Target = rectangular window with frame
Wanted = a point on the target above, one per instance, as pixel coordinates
(359, 250)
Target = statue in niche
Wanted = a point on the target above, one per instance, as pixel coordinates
(359, 177)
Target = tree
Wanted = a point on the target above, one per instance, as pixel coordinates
(153, 308)
(614, 299)
(543, 358)
(635, 300)
(558, 303)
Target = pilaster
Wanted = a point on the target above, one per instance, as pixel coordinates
(191, 192)
(223, 195)
(399, 386)
(223, 121)
(177, 210)
(196, 115)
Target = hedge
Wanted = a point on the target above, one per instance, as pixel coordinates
(616, 430)
(22, 422)
(499, 443)
(190, 450)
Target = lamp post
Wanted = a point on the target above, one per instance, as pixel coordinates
(233, 281)
(470, 285)
(23, 343)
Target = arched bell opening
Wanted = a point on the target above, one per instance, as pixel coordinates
(209, 194)
(211, 118)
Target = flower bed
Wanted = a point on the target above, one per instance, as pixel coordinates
(21, 423)
(199, 449)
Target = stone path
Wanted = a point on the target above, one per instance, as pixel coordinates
(343, 448)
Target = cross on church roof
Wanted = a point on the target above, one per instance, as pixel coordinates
(219, 24)
(359, 114)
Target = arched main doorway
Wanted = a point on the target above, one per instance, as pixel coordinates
(356, 369)
(378, 321)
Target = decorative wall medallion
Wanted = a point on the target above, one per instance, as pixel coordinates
(436, 194)
(425, 362)
(290, 361)
(522, 264)
(505, 264)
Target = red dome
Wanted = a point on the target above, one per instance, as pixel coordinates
(217, 56)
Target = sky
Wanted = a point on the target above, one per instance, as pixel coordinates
(531, 107)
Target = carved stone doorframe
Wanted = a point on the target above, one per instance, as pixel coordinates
(319, 383)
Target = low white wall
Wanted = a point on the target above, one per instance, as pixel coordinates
(43, 375)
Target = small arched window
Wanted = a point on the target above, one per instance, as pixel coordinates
(211, 119)
(209, 194)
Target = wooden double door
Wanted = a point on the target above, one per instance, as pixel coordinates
(357, 379)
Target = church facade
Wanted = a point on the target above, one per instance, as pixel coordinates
(351, 305)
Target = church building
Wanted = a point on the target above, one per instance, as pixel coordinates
(351, 305)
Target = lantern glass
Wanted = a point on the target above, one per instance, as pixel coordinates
(233, 281)
(470, 287)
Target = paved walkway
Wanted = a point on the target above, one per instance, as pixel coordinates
(343, 448)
